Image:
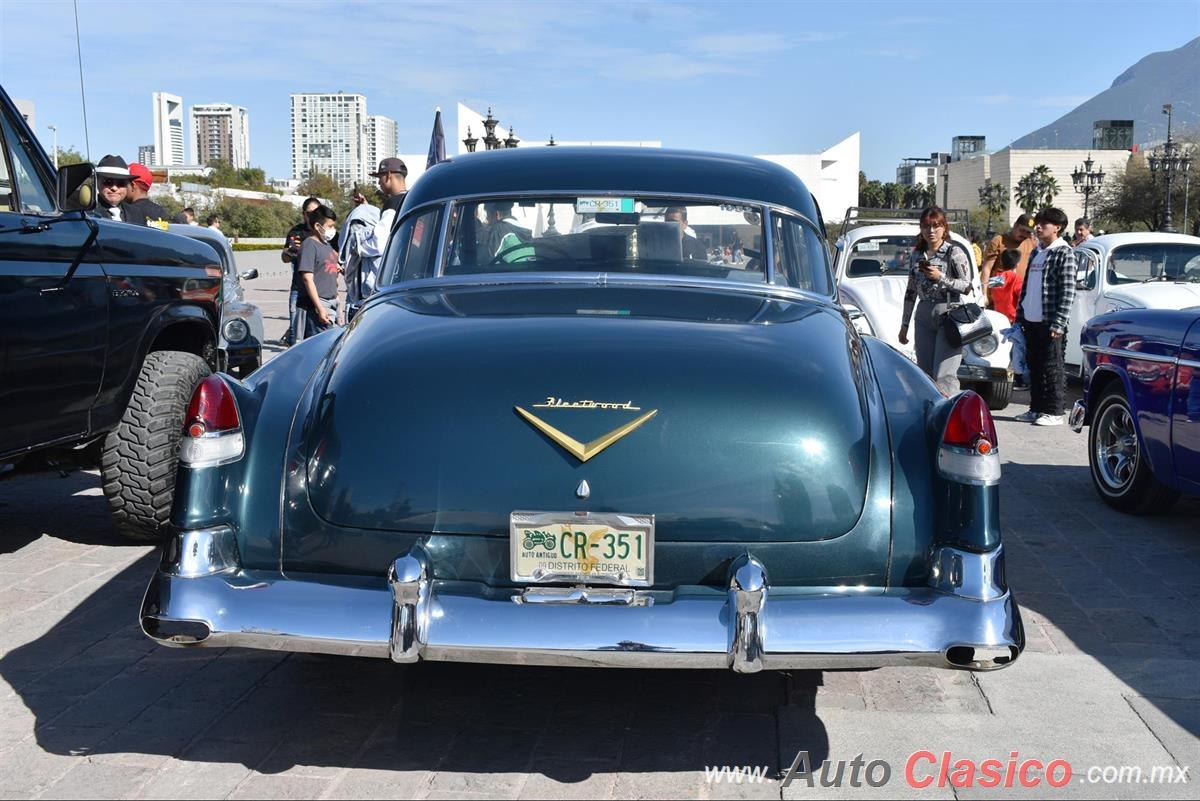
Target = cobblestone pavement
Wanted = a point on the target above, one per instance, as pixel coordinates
(89, 707)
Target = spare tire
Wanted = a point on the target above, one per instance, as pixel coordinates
(138, 463)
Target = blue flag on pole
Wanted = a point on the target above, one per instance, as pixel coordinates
(437, 142)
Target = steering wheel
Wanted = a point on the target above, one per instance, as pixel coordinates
(534, 246)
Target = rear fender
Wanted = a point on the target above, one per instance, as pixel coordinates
(1151, 413)
(927, 509)
(246, 494)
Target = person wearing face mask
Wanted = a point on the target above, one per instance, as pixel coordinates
(112, 174)
(315, 279)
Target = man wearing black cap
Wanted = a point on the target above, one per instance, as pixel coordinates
(112, 174)
(392, 173)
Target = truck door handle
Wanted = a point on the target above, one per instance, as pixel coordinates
(33, 228)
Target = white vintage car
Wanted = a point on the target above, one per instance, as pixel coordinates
(1132, 271)
(871, 267)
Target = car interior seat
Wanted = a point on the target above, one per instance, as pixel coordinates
(660, 241)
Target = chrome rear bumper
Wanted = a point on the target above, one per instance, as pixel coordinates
(968, 620)
(1078, 415)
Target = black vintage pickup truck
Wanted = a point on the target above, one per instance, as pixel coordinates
(105, 329)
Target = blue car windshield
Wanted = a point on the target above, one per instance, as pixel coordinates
(641, 235)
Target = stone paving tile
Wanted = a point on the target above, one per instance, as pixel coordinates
(90, 779)
(564, 779)
(366, 783)
(256, 786)
(201, 779)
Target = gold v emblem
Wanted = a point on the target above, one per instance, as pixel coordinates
(576, 448)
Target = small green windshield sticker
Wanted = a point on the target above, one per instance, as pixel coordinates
(604, 205)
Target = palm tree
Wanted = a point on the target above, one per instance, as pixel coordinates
(1036, 190)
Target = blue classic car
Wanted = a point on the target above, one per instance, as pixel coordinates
(605, 410)
(1142, 401)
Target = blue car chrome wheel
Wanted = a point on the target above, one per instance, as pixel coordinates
(1119, 472)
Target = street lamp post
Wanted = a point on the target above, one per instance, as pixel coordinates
(470, 141)
(490, 140)
(1169, 161)
(1086, 181)
(54, 130)
(512, 141)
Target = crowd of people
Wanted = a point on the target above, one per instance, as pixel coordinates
(318, 253)
(123, 194)
(1027, 274)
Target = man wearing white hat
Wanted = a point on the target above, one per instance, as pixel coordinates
(112, 176)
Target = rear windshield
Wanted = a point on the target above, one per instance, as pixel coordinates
(879, 255)
(644, 236)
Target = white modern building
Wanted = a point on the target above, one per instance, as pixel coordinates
(914, 171)
(382, 142)
(958, 182)
(168, 129)
(221, 131)
(329, 136)
(28, 110)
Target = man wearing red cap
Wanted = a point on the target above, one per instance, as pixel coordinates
(139, 208)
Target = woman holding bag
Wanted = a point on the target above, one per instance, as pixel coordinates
(938, 274)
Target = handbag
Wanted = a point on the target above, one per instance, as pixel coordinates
(965, 323)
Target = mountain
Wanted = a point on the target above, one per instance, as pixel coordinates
(1137, 94)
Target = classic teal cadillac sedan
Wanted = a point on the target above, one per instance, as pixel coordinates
(604, 410)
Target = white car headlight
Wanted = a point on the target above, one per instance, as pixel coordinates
(235, 330)
(1115, 305)
(986, 346)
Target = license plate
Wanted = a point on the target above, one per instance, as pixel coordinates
(589, 548)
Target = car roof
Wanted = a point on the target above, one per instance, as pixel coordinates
(1110, 241)
(215, 238)
(894, 229)
(613, 170)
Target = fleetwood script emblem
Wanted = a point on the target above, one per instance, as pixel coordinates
(580, 450)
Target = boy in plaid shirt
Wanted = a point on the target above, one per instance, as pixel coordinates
(1043, 314)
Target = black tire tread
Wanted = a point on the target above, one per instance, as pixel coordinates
(137, 464)
(996, 395)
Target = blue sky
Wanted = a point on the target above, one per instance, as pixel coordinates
(744, 77)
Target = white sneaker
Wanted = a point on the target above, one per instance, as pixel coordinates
(1027, 417)
(1048, 420)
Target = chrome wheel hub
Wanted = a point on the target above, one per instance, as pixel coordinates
(1116, 448)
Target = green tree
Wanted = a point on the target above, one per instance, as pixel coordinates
(993, 201)
(318, 184)
(1132, 199)
(870, 193)
(893, 195)
(69, 155)
(1036, 190)
(258, 218)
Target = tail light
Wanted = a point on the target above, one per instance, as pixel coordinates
(969, 448)
(212, 429)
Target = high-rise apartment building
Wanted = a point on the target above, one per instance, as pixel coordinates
(329, 136)
(168, 129)
(221, 131)
(146, 154)
(381, 140)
